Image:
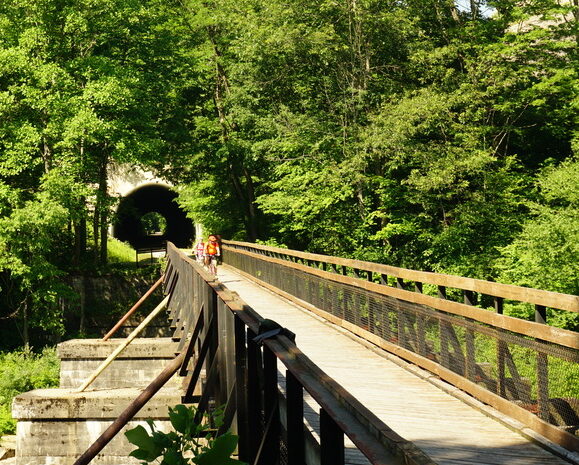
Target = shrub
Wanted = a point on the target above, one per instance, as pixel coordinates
(191, 443)
(22, 371)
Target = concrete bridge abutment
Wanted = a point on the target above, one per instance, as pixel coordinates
(56, 426)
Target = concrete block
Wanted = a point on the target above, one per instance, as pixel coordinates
(64, 441)
(142, 348)
(55, 404)
(55, 426)
(136, 366)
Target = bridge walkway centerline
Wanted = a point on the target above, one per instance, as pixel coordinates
(445, 428)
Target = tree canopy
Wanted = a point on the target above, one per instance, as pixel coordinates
(414, 133)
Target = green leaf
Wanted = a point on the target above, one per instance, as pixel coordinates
(181, 418)
(139, 437)
(149, 449)
(142, 454)
(220, 452)
(173, 457)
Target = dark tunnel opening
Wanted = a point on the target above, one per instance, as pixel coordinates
(152, 198)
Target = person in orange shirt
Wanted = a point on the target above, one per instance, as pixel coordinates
(211, 252)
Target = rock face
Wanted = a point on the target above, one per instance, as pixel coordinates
(55, 426)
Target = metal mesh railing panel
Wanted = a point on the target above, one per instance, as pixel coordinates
(540, 377)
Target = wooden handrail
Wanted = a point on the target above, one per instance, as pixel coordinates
(527, 328)
(506, 291)
(326, 295)
(370, 435)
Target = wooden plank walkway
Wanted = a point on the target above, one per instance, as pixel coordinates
(446, 429)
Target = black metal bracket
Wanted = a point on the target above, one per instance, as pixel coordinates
(269, 328)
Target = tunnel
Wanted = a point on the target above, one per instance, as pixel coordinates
(149, 216)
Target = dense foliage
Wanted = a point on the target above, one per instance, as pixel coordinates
(413, 133)
(23, 371)
(410, 133)
(83, 84)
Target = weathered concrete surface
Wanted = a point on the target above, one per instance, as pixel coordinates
(147, 348)
(54, 404)
(136, 366)
(61, 443)
(55, 426)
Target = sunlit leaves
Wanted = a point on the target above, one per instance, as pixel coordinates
(546, 251)
(192, 442)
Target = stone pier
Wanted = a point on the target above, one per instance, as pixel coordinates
(55, 426)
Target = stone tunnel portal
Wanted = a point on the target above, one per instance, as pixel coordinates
(149, 215)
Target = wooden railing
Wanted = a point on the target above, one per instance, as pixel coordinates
(404, 277)
(525, 369)
(241, 355)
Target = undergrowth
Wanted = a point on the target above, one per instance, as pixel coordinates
(22, 371)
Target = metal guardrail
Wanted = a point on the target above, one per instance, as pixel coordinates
(149, 251)
(527, 370)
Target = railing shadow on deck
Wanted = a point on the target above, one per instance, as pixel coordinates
(526, 370)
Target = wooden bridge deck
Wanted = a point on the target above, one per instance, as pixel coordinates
(445, 428)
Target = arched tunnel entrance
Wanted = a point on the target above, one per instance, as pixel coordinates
(149, 215)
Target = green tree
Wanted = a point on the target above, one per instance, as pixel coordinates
(545, 253)
(32, 234)
(82, 85)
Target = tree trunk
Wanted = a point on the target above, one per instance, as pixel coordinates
(82, 232)
(82, 288)
(474, 9)
(25, 335)
(46, 155)
(252, 230)
(103, 207)
(246, 194)
(454, 12)
(95, 229)
(79, 227)
(576, 18)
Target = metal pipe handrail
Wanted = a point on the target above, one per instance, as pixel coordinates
(128, 414)
(124, 344)
(133, 309)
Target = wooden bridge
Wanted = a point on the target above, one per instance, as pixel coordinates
(322, 360)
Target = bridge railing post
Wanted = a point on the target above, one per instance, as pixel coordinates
(331, 441)
(241, 393)
(254, 398)
(295, 420)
